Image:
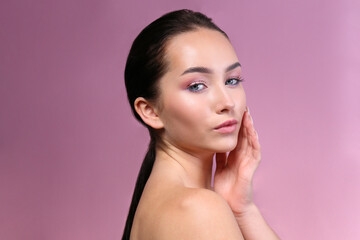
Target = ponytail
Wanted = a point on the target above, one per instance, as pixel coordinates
(142, 178)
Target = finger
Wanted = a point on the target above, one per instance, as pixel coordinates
(243, 132)
(242, 143)
(253, 140)
(248, 149)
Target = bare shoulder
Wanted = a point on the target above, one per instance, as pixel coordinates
(198, 214)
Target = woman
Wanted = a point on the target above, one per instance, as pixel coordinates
(183, 80)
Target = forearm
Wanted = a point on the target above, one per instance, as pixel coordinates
(253, 226)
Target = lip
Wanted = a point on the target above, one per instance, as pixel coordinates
(227, 126)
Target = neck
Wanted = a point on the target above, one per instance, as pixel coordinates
(194, 169)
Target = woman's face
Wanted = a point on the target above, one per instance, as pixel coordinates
(200, 91)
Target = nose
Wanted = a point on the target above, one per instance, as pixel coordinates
(224, 100)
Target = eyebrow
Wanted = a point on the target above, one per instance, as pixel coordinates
(207, 70)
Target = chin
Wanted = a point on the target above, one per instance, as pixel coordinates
(225, 146)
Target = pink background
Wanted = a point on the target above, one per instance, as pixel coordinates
(70, 149)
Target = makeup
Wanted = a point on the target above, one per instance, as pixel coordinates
(227, 126)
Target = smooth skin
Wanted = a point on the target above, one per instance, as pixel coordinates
(178, 201)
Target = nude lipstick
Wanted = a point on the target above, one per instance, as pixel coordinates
(227, 126)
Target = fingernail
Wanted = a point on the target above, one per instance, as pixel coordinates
(248, 113)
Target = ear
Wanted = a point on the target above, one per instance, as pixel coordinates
(148, 113)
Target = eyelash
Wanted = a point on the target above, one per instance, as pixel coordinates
(238, 80)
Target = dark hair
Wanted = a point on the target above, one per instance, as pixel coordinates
(144, 67)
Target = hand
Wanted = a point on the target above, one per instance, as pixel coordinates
(233, 175)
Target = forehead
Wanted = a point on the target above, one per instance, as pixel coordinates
(202, 47)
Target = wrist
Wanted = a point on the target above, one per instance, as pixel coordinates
(246, 213)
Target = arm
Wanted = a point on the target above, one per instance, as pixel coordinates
(254, 226)
(233, 181)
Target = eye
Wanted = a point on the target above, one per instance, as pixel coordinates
(234, 81)
(196, 87)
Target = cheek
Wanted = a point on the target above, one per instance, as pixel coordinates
(183, 113)
(240, 99)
